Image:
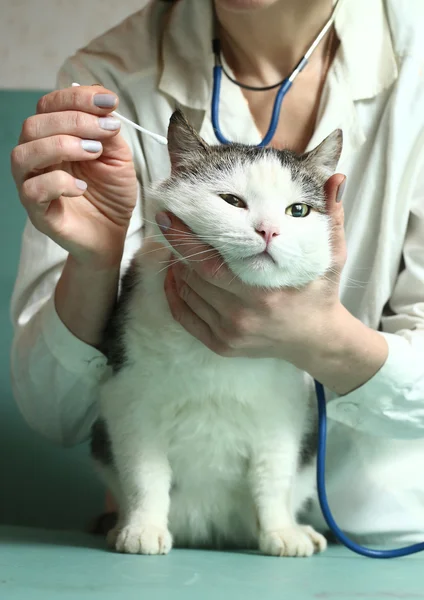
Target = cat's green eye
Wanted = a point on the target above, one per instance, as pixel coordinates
(298, 210)
(233, 200)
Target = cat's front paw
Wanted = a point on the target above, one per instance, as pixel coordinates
(300, 540)
(147, 539)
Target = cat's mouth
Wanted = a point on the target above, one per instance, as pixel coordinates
(262, 258)
(265, 255)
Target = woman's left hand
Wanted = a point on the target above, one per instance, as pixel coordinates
(309, 327)
(233, 319)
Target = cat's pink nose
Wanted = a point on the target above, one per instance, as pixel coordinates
(268, 232)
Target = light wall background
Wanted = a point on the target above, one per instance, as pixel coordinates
(36, 36)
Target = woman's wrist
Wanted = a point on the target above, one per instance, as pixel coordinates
(346, 355)
(84, 298)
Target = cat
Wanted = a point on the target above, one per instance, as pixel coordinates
(202, 450)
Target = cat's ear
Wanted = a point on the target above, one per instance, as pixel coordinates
(184, 143)
(326, 156)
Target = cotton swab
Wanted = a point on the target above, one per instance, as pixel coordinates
(155, 136)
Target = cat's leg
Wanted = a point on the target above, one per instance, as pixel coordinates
(272, 474)
(145, 480)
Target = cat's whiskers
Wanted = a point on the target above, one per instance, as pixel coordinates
(240, 238)
(171, 264)
(190, 257)
(156, 225)
(177, 260)
(217, 250)
(356, 283)
(175, 245)
(162, 248)
(235, 277)
(220, 267)
(186, 232)
(171, 235)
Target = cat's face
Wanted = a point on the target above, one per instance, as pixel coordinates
(262, 209)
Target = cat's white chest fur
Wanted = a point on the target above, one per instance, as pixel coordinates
(209, 426)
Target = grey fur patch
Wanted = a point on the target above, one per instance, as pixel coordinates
(100, 444)
(325, 157)
(113, 345)
(309, 446)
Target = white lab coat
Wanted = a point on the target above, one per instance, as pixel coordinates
(375, 93)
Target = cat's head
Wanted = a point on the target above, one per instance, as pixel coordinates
(263, 209)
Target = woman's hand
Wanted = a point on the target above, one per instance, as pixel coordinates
(75, 174)
(305, 327)
(76, 180)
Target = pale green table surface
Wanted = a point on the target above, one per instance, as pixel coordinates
(38, 564)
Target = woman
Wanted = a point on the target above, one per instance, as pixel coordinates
(362, 337)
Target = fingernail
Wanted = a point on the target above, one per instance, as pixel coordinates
(81, 184)
(91, 145)
(163, 221)
(104, 100)
(341, 190)
(109, 124)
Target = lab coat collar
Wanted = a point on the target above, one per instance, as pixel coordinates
(187, 55)
(366, 51)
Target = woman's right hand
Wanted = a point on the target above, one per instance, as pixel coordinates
(75, 174)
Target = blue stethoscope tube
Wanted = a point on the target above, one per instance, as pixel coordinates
(217, 76)
(322, 494)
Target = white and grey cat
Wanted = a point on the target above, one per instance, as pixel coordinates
(200, 449)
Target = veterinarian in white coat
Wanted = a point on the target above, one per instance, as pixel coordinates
(363, 339)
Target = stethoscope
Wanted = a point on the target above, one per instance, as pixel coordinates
(284, 85)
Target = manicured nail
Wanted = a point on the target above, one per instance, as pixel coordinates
(341, 190)
(104, 100)
(109, 123)
(81, 184)
(91, 145)
(163, 221)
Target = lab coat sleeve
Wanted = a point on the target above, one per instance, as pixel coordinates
(391, 403)
(55, 376)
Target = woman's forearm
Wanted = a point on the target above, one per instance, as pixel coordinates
(349, 354)
(84, 299)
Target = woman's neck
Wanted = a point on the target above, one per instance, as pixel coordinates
(262, 46)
